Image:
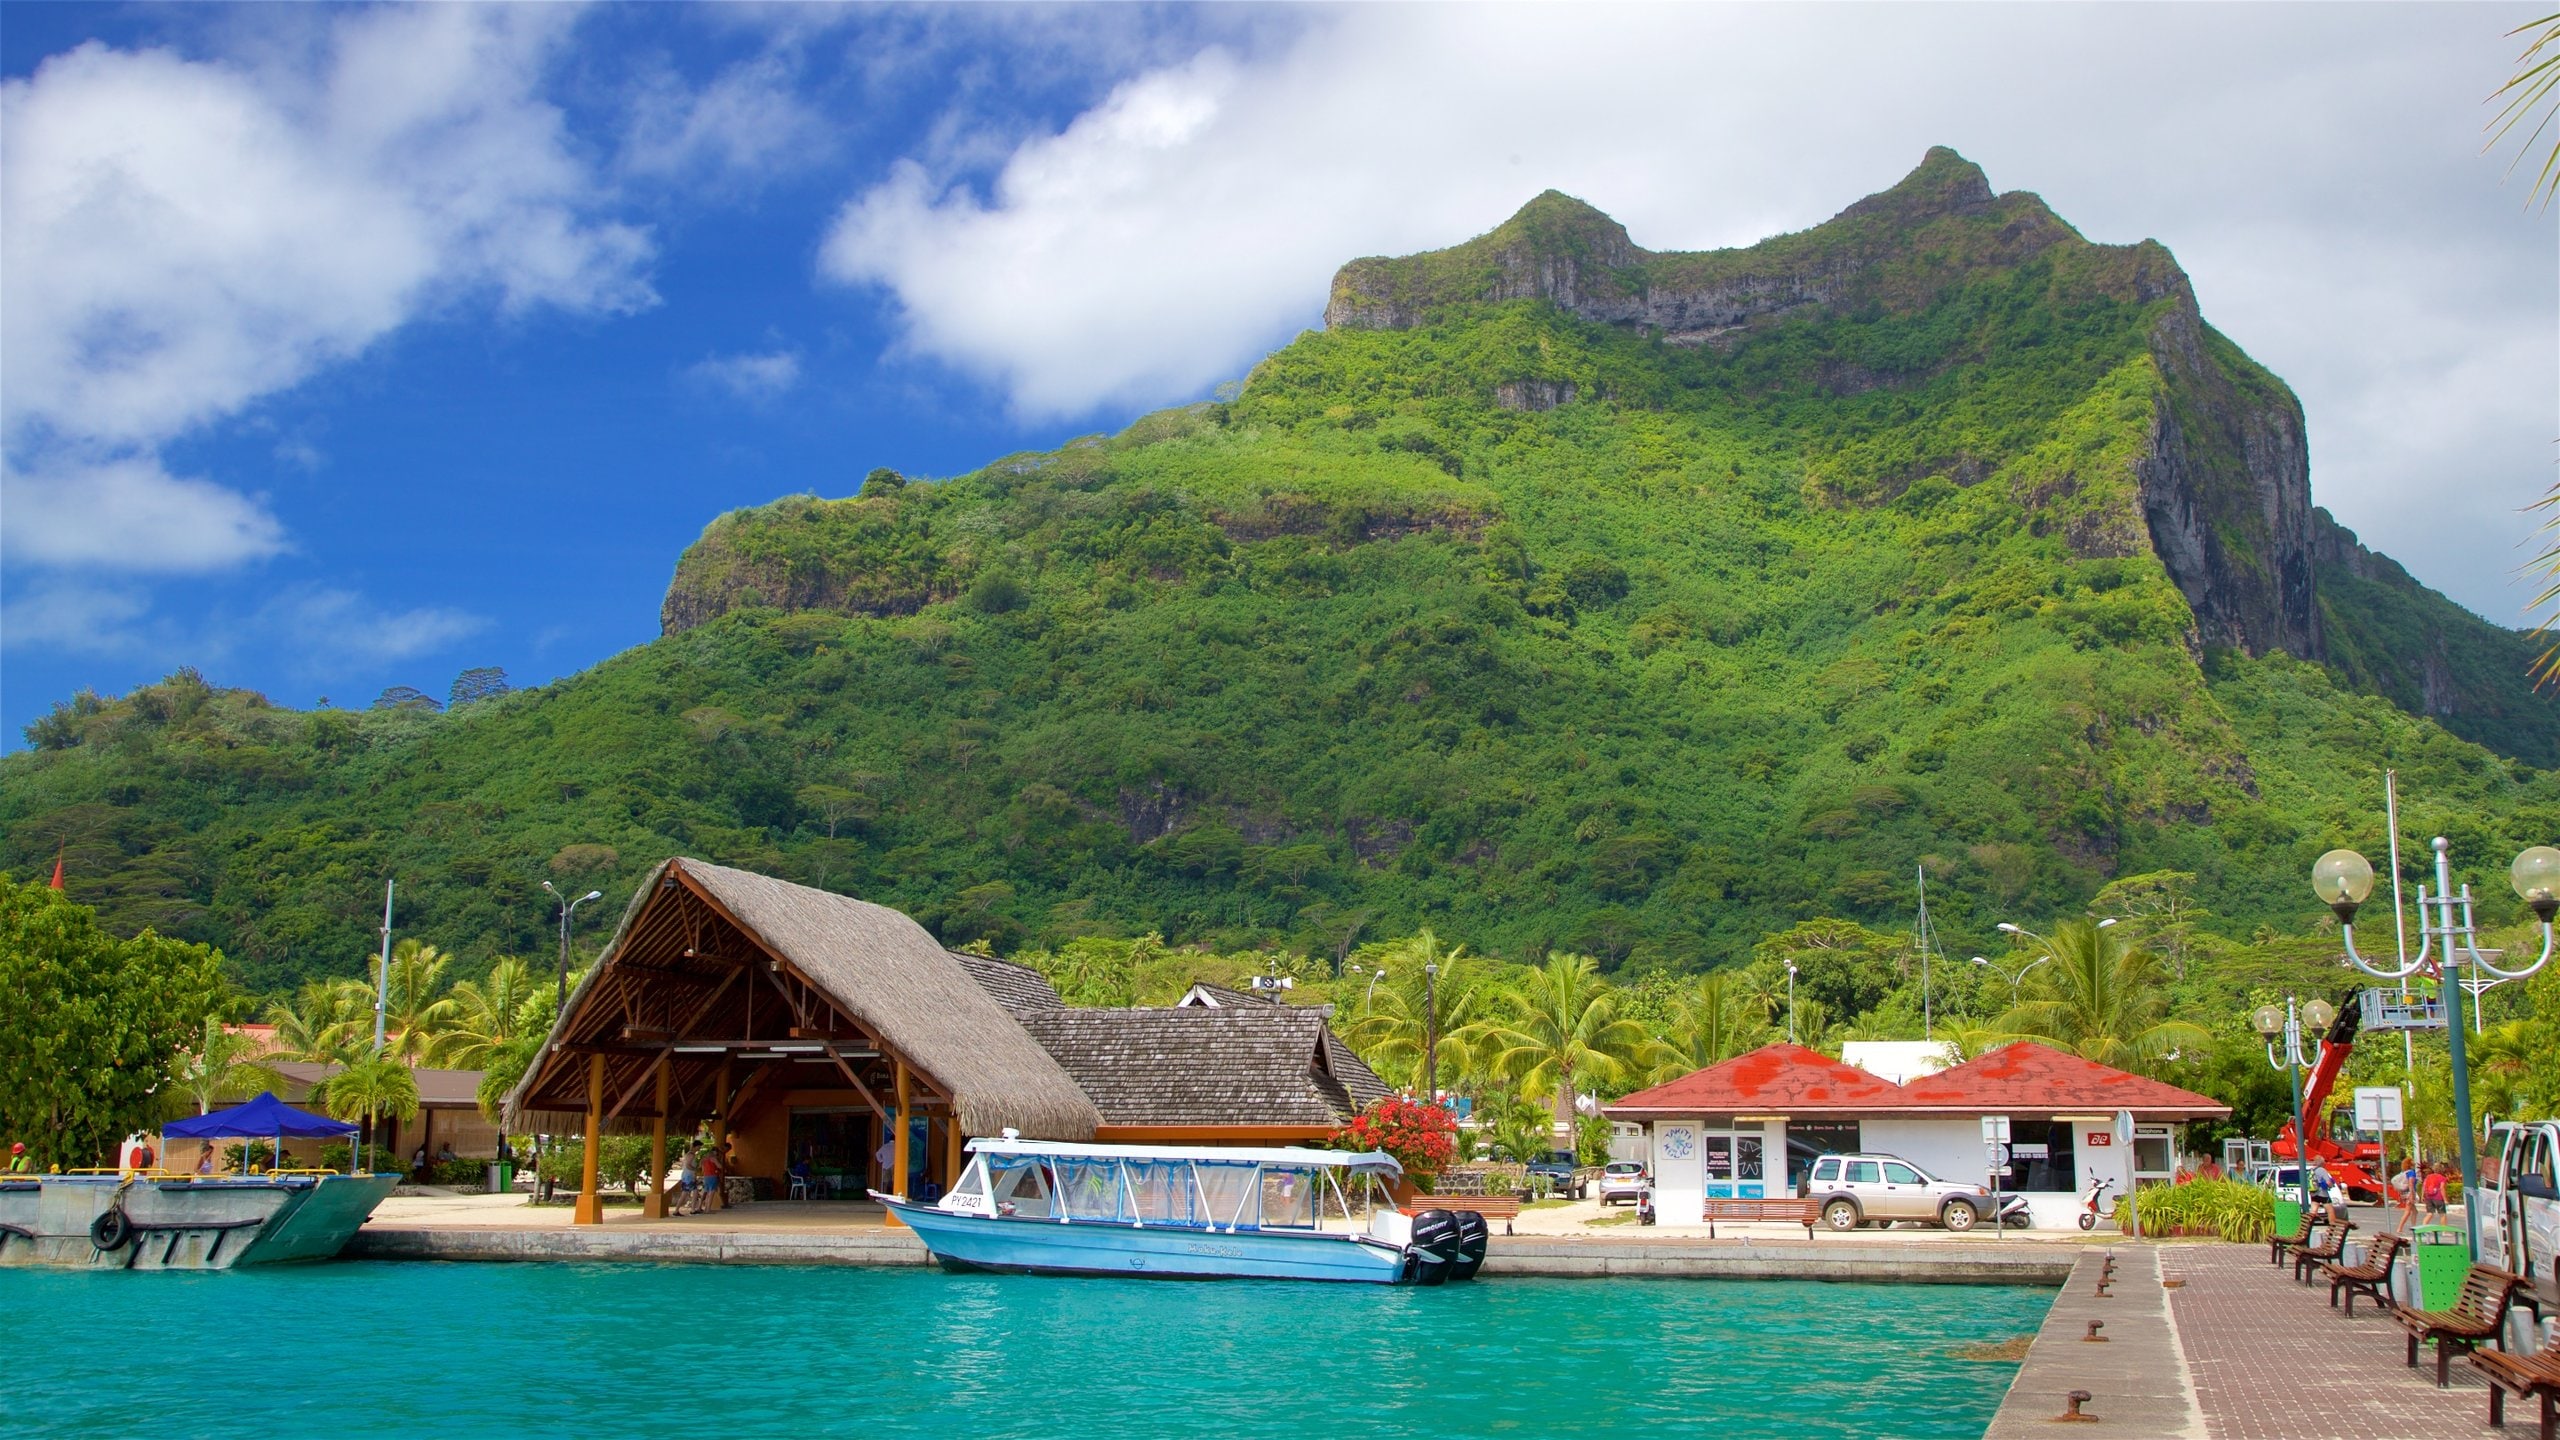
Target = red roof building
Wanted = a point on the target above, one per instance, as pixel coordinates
(1781, 1079)
(2031, 1079)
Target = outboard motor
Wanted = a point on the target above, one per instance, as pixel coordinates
(1473, 1236)
(1435, 1246)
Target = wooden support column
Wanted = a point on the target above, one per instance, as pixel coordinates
(591, 1200)
(953, 1142)
(655, 1207)
(903, 1184)
(718, 1198)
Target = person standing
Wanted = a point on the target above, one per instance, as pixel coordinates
(20, 1162)
(2435, 1193)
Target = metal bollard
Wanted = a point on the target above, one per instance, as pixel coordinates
(2093, 1337)
(2075, 1400)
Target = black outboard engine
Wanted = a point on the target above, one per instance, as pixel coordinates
(1435, 1246)
(1473, 1236)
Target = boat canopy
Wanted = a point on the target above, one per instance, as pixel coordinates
(1360, 1162)
(264, 1118)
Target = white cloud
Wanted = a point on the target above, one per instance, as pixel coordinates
(186, 236)
(753, 378)
(74, 617)
(334, 627)
(131, 515)
(2316, 170)
(748, 121)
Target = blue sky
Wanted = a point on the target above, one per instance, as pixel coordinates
(344, 348)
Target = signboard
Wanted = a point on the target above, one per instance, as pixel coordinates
(2378, 1108)
(2025, 1151)
(2124, 1126)
(1998, 1156)
(2100, 1139)
(1995, 1129)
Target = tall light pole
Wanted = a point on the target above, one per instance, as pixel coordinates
(2343, 879)
(382, 974)
(1791, 1002)
(568, 909)
(1996, 968)
(2286, 1026)
(1371, 994)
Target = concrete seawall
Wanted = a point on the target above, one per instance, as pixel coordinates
(1578, 1258)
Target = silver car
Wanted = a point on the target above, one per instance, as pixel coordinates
(1860, 1190)
(1625, 1181)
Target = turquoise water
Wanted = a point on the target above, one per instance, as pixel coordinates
(567, 1350)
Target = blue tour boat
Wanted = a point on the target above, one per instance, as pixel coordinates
(1051, 1208)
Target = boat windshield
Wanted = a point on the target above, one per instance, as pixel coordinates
(1244, 1194)
(1017, 1186)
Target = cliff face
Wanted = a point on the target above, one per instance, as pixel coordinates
(2223, 483)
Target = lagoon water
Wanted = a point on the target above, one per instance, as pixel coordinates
(575, 1350)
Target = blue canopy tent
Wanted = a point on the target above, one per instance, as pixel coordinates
(265, 1118)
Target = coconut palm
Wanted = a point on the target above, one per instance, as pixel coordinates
(373, 1086)
(1711, 1022)
(485, 1016)
(1558, 1029)
(223, 1064)
(2103, 998)
(329, 1022)
(1395, 1026)
(415, 1007)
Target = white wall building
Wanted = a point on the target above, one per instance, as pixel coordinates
(1750, 1126)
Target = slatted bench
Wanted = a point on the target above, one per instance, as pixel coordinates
(1785, 1207)
(1504, 1208)
(2478, 1314)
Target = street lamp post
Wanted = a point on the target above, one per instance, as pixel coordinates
(568, 909)
(1996, 968)
(2286, 1025)
(2343, 878)
(1791, 1002)
(1370, 994)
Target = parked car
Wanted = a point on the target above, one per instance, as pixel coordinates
(1564, 1180)
(1866, 1189)
(1623, 1181)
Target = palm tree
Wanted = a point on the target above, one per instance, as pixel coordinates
(328, 1023)
(486, 1015)
(1715, 1020)
(224, 1063)
(414, 1007)
(2105, 999)
(1394, 1026)
(373, 1086)
(1559, 1028)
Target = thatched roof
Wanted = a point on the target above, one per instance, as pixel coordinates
(872, 964)
(1250, 1064)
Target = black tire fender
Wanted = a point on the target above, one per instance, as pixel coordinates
(111, 1230)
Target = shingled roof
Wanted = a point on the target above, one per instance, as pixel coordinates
(1208, 1065)
(1020, 989)
(1779, 1078)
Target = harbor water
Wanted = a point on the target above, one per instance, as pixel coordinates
(374, 1348)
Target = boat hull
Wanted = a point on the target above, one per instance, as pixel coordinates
(209, 1223)
(1046, 1247)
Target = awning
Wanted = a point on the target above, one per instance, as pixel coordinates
(264, 1118)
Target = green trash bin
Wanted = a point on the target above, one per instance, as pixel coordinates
(2288, 1209)
(2444, 1259)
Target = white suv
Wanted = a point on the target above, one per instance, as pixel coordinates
(1860, 1190)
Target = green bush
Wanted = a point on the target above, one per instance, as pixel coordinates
(2235, 1210)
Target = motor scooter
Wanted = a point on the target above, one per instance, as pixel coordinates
(2089, 1212)
(2012, 1210)
(1644, 1206)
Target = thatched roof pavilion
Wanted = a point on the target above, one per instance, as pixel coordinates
(719, 982)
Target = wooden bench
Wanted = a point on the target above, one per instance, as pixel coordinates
(2372, 1277)
(2526, 1377)
(2278, 1244)
(1785, 1207)
(2479, 1313)
(1505, 1208)
(2331, 1246)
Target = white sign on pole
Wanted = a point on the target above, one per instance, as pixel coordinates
(1998, 1156)
(1995, 1129)
(2124, 1127)
(2378, 1108)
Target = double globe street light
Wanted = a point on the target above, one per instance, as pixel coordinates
(2286, 1026)
(2343, 879)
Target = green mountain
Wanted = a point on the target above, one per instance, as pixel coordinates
(1557, 593)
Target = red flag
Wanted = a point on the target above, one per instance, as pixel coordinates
(57, 867)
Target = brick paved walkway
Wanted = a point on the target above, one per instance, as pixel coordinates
(2272, 1361)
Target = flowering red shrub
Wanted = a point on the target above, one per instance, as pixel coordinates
(1423, 1138)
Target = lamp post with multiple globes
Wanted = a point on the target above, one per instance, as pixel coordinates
(2286, 1026)
(2343, 879)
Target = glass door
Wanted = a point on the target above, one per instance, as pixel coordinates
(1736, 1164)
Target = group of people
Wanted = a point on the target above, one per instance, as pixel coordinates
(2427, 1185)
(418, 1160)
(699, 1169)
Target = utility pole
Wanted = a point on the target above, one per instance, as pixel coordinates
(382, 975)
(1431, 1033)
(1920, 934)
